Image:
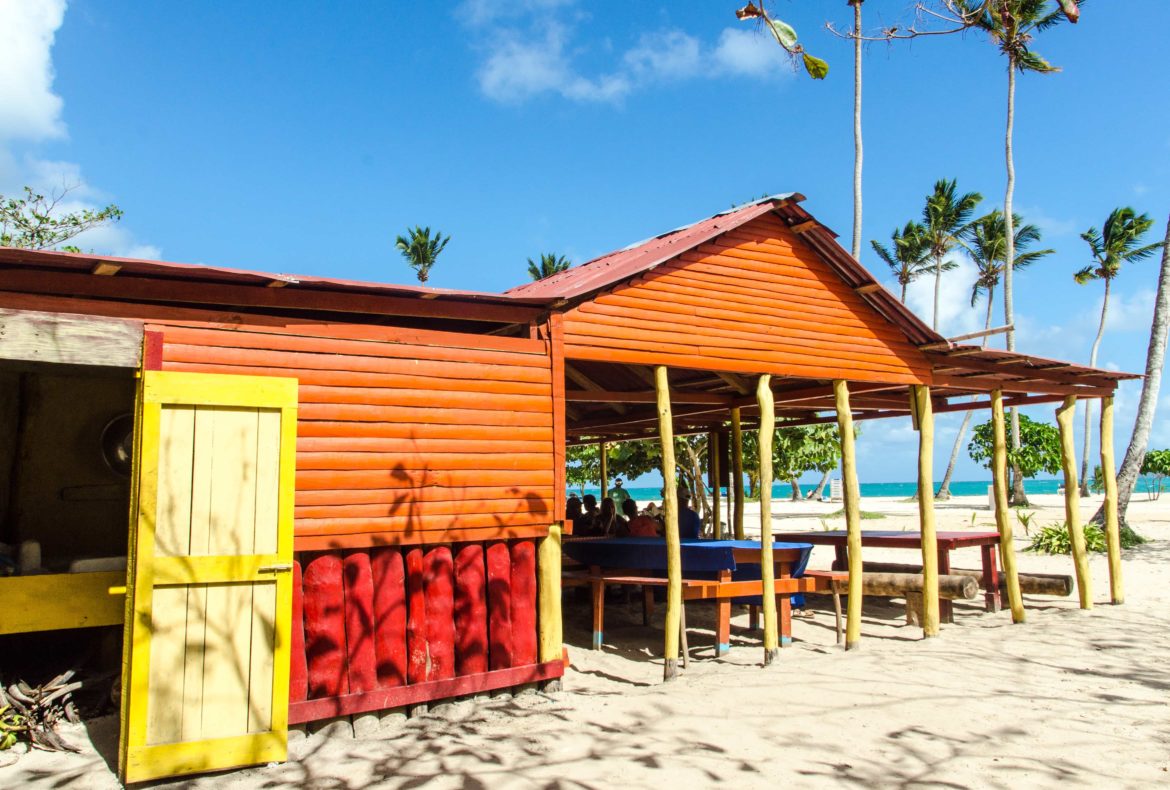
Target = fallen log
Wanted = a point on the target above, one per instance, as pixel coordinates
(1030, 583)
(897, 585)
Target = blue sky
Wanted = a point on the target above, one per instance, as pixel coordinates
(302, 137)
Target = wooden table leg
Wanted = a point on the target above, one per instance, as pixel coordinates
(723, 619)
(990, 580)
(784, 605)
(682, 635)
(837, 609)
(647, 603)
(946, 611)
(598, 589)
(753, 617)
(841, 561)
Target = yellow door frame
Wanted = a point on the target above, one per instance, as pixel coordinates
(138, 761)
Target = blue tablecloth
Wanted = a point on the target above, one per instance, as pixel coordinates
(700, 558)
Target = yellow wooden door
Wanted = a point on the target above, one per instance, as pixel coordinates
(205, 676)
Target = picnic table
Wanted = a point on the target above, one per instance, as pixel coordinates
(725, 571)
(897, 539)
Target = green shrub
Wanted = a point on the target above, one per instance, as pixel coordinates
(1054, 539)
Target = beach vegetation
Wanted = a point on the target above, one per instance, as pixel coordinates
(946, 219)
(1143, 423)
(39, 222)
(1119, 241)
(908, 255)
(1054, 539)
(986, 242)
(548, 265)
(1039, 449)
(421, 249)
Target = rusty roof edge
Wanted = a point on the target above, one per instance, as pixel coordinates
(146, 267)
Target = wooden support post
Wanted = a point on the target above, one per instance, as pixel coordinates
(670, 526)
(602, 453)
(1003, 523)
(737, 472)
(548, 565)
(767, 569)
(714, 469)
(921, 408)
(852, 513)
(1112, 528)
(1072, 504)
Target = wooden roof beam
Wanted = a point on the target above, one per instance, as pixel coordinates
(737, 383)
(582, 380)
(676, 396)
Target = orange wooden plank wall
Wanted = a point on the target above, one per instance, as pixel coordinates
(403, 436)
(754, 300)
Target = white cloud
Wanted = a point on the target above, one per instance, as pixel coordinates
(28, 107)
(529, 51)
(520, 68)
(30, 113)
(749, 53)
(668, 54)
(1133, 312)
(1048, 225)
(956, 316)
(482, 12)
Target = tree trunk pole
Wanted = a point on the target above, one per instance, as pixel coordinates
(602, 449)
(1007, 550)
(1068, 461)
(713, 458)
(549, 592)
(1112, 527)
(858, 152)
(923, 409)
(1085, 451)
(767, 569)
(670, 526)
(737, 471)
(852, 512)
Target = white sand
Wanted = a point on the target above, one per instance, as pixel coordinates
(1069, 697)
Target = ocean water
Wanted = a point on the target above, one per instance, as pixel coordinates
(901, 490)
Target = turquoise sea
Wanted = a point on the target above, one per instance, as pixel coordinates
(784, 490)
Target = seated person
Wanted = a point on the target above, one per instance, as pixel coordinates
(609, 523)
(573, 509)
(690, 526)
(585, 524)
(641, 526)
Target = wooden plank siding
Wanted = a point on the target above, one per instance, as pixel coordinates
(753, 300)
(407, 437)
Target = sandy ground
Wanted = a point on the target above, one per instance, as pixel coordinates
(1070, 697)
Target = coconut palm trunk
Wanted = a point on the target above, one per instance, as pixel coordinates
(1018, 497)
(937, 291)
(1089, 403)
(1135, 454)
(944, 489)
(858, 154)
(819, 491)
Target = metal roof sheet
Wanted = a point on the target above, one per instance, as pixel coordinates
(201, 272)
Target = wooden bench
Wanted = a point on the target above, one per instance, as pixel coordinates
(722, 590)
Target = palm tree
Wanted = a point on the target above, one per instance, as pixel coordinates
(945, 218)
(987, 245)
(1012, 25)
(421, 249)
(909, 256)
(1135, 454)
(550, 264)
(1116, 244)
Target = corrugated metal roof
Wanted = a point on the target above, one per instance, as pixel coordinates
(645, 255)
(68, 261)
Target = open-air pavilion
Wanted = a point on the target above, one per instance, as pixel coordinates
(756, 315)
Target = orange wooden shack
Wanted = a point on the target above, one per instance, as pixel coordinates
(346, 497)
